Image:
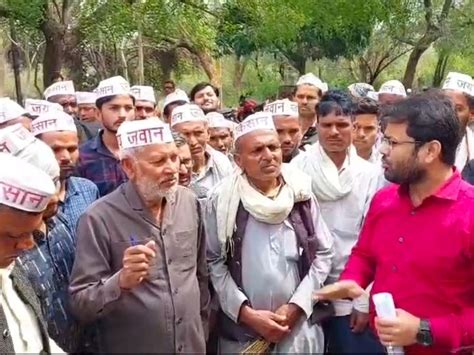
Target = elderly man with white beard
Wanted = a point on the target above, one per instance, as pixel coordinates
(268, 247)
(140, 264)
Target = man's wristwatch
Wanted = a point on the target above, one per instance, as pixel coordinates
(424, 337)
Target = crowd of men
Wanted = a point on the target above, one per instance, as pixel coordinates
(133, 225)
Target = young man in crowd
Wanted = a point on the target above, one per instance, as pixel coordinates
(366, 130)
(99, 157)
(287, 125)
(206, 96)
(175, 99)
(141, 253)
(309, 90)
(417, 241)
(344, 184)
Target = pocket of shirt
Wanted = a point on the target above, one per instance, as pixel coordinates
(186, 243)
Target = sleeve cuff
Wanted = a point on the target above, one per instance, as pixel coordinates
(111, 288)
(303, 301)
(232, 307)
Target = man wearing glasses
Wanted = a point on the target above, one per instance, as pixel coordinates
(417, 242)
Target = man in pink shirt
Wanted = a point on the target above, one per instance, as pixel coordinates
(417, 242)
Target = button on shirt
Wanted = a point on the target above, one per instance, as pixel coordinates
(100, 166)
(48, 266)
(424, 257)
(80, 193)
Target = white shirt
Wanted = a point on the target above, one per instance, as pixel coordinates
(22, 323)
(345, 217)
(465, 151)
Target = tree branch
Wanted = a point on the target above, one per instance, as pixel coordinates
(428, 5)
(445, 11)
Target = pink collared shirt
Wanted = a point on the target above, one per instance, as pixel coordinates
(424, 257)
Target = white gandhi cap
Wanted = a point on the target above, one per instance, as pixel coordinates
(255, 122)
(24, 186)
(177, 95)
(134, 134)
(53, 122)
(283, 107)
(37, 107)
(116, 85)
(10, 110)
(85, 98)
(217, 120)
(459, 82)
(60, 88)
(14, 139)
(394, 87)
(311, 79)
(187, 113)
(143, 93)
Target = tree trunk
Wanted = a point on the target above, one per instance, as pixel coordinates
(440, 68)
(239, 69)
(141, 66)
(53, 51)
(16, 62)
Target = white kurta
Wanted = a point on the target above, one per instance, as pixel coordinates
(465, 151)
(345, 216)
(22, 323)
(270, 278)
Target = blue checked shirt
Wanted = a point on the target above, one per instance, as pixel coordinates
(80, 193)
(100, 166)
(48, 267)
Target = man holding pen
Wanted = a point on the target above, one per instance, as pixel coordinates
(140, 268)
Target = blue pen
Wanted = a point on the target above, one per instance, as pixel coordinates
(133, 240)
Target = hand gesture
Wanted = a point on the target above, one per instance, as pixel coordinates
(398, 332)
(292, 314)
(136, 264)
(265, 323)
(339, 290)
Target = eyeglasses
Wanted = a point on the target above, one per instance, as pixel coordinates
(390, 143)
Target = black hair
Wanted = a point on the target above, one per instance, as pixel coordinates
(365, 106)
(169, 82)
(335, 101)
(199, 87)
(103, 100)
(429, 116)
(177, 103)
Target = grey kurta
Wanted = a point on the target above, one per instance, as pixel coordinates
(270, 277)
(166, 313)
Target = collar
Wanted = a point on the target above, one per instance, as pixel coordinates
(449, 190)
(209, 165)
(71, 187)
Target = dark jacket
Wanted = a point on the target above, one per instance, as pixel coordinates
(26, 293)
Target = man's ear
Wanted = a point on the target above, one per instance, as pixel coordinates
(129, 167)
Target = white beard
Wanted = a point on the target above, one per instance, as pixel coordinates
(151, 192)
